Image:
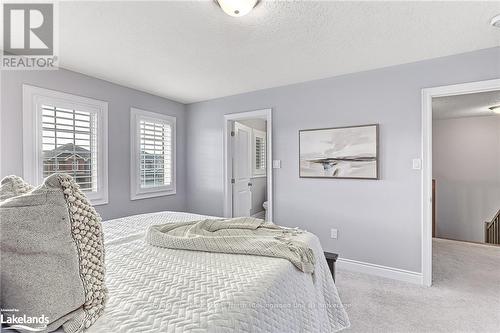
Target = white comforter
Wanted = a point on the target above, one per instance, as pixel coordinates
(155, 289)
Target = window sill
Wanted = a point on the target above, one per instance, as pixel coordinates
(147, 195)
(97, 200)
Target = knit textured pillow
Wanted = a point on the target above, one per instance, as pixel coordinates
(12, 186)
(52, 256)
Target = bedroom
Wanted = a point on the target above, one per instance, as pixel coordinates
(172, 75)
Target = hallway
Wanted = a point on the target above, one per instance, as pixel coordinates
(465, 296)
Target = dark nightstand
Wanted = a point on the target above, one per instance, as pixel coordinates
(331, 258)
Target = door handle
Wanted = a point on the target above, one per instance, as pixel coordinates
(249, 184)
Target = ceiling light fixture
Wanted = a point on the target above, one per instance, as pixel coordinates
(237, 8)
(495, 109)
(495, 21)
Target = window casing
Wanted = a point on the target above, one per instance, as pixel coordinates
(258, 153)
(68, 134)
(152, 154)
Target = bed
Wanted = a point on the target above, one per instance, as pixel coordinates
(154, 289)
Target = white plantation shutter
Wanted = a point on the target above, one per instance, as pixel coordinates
(68, 134)
(69, 144)
(153, 154)
(259, 151)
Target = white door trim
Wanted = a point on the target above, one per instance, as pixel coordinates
(265, 114)
(427, 95)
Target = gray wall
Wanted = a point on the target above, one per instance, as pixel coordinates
(466, 166)
(120, 100)
(378, 221)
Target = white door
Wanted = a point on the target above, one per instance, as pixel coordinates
(242, 170)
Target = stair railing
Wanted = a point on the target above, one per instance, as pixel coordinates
(492, 230)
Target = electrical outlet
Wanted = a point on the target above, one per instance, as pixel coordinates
(333, 233)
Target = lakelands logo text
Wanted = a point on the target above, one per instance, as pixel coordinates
(28, 36)
(24, 323)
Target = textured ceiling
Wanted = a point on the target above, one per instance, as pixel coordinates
(468, 105)
(192, 51)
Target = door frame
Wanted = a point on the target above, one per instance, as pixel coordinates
(427, 95)
(265, 114)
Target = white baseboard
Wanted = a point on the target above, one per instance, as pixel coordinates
(379, 270)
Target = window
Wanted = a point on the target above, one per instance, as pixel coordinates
(67, 134)
(259, 153)
(152, 154)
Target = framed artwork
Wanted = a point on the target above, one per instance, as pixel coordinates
(341, 152)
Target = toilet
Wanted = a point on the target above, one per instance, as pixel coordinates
(264, 205)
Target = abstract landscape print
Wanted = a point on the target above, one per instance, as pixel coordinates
(343, 152)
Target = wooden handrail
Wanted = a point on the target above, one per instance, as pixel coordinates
(492, 230)
(496, 216)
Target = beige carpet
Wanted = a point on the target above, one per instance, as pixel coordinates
(465, 296)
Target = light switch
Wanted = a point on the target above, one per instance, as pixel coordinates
(417, 164)
(276, 164)
(333, 233)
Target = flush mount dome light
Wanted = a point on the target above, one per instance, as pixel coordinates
(237, 8)
(495, 21)
(495, 109)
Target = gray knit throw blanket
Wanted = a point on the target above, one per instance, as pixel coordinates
(243, 235)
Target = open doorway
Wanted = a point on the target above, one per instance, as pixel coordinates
(461, 167)
(466, 167)
(248, 164)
